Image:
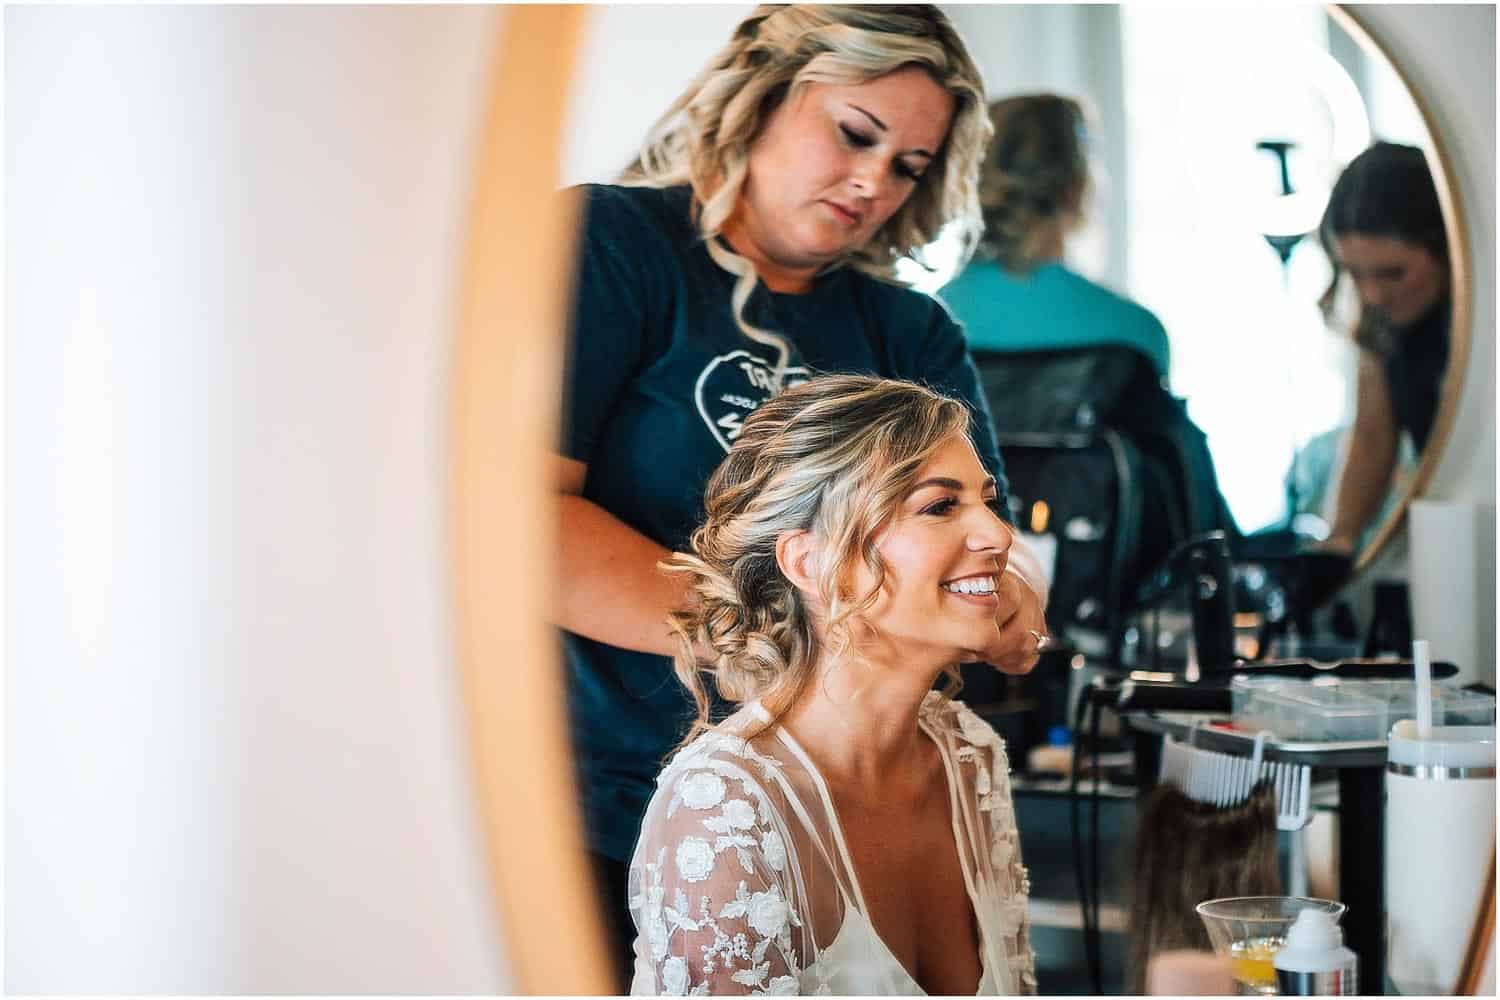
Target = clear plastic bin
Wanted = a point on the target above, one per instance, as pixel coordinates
(1305, 712)
(1451, 706)
(1467, 708)
(1243, 689)
(1329, 709)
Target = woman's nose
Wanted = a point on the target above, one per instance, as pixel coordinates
(864, 179)
(990, 534)
(1373, 294)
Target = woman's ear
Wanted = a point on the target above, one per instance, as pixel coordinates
(797, 557)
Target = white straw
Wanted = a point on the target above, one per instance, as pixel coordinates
(1422, 668)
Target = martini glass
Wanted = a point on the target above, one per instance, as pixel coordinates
(1251, 929)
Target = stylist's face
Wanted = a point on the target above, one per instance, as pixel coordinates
(1397, 279)
(832, 164)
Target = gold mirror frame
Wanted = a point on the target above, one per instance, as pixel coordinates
(506, 384)
(507, 376)
(1460, 278)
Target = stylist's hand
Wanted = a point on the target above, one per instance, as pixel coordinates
(1015, 647)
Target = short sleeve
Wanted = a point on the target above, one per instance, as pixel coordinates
(944, 363)
(715, 890)
(612, 292)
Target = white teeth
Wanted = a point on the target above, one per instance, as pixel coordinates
(972, 585)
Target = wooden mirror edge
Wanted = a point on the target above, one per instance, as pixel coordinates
(1480, 950)
(506, 380)
(1445, 178)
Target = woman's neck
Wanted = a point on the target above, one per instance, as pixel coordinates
(778, 277)
(858, 719)
(1048, 244)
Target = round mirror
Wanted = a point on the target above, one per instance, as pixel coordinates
(1210, 170)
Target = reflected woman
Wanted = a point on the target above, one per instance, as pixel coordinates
(1383, 227)
(848, 830)
(752, 243)
(1018, 294)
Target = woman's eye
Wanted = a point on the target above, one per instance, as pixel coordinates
(994, 504)
(856, 138)
(907, 173)
(941, 507)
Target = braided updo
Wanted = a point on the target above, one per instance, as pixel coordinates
(1033, 175)
(834, 456)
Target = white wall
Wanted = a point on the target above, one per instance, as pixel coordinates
(236, 760)
(635, 60)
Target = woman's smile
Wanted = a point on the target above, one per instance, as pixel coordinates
(976, 590)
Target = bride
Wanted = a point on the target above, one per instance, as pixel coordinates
(848, 830)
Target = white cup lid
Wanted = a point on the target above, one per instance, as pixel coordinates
(1446, 746)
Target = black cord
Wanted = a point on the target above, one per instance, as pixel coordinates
(1155, 638)
(1079, 874)
(1084, 877)
(1095, 896)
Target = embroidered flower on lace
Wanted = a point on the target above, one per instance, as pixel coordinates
(784, 986)
(768, 913)
(975, 729)
(1001, 852)
(695, 859)
(1011, 914)
(739, 813)
(674, 977)
(753, 976)
(773, 849)
(701, 790)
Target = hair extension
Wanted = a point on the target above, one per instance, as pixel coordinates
(1187, 852)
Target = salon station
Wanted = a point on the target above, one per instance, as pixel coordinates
(468, 469)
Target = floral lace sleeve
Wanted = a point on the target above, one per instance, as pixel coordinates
(981, 749)
(716, 901)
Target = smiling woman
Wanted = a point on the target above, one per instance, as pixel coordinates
(848, 829)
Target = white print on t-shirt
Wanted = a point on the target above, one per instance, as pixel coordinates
(732, 386)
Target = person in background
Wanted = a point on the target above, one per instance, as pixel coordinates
(753, 243)
(1018, 294)
(1383, 227)
(849, 830)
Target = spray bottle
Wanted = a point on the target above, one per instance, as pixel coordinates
(1314, 961)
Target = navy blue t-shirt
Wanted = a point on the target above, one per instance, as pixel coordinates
(659, 380)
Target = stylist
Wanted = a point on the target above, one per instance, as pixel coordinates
(1383, 228)
(752, 244)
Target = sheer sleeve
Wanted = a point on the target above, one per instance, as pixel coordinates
(996, 845)
(716, 892)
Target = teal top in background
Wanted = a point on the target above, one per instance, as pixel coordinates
(1049, 307)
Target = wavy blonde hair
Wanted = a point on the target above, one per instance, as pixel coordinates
(835, 456)
(704, 138)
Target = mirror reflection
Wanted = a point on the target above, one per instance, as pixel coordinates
(1195, 297)
(1211, 170)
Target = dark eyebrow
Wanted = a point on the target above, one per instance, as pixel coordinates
(953, 484)
(882, 126)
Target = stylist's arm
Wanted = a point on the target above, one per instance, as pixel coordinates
(609, 587)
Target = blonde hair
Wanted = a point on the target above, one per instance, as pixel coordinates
(1034, 174)
(834, 456)
(704, 138)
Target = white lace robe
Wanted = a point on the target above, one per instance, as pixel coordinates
(742, 883)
